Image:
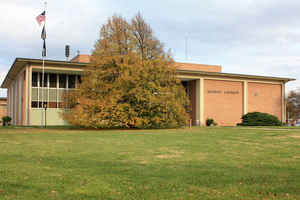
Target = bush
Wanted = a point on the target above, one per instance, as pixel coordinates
(259, 119)
(6, 120)
(210, 122)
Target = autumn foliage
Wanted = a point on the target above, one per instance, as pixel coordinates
(131, 82)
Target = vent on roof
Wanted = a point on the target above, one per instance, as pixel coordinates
(67, 52)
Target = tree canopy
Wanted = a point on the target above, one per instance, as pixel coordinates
(130, 83)
(293, 105)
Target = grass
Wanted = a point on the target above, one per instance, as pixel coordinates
(197, 163)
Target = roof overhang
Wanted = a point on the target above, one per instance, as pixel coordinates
(233, 76)
(20, 63)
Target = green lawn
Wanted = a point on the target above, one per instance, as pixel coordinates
(197, 163)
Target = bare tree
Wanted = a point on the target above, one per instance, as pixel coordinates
(293, 105)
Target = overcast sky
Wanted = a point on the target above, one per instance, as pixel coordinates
(258, 37)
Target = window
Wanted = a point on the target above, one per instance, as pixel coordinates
(53, 80)
(62, 80)
(52, 105)
(55, 85)
(34, 79)
(71, 81)
(45, 79)
(34, 104)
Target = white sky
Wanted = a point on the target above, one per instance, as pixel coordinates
(259, 37)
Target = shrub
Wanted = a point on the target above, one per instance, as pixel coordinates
(210, 122)
(259, 119)
(6, 120)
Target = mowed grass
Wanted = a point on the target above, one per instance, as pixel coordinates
(197, 163)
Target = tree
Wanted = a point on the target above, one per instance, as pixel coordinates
(293, 105)
(131, 82)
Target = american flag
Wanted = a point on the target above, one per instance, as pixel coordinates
(43, 35)
(41, 18)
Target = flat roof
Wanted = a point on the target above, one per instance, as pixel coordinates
(19, 63)
(232, 75)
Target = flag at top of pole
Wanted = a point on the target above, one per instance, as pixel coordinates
(41, 18)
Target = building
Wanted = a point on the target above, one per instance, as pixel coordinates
(224, 97)
(3, 107)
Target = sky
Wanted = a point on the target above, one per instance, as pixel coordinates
(257, 37)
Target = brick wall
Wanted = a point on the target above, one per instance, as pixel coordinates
(263, 97)
(223, 101)
(3, 108)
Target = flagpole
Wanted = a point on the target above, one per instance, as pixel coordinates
(43, 122)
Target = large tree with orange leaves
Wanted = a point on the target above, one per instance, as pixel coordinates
(131, 82)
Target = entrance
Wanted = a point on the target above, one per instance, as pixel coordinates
(190, 89)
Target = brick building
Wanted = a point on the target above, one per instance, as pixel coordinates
(224, 97)
(3, 107)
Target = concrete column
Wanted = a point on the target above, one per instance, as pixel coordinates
(29, 86)
(20, 99)
(26, 96)
(8, 99)
(283, 107)
(14, 103)
(198, 91)
(200, 121)
(245, 98)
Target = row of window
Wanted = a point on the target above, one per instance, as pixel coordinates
(54, 80)
(51, 91)
(39, 104)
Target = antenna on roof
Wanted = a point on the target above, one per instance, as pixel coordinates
(186, 46)
(78, 52)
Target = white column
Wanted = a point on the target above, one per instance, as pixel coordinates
(198, 91)
(8, 99)
(29, 86)
(245, 100)
(15, 102)
(200, 121)
(26, 96)
(283, 106)
(20, 93)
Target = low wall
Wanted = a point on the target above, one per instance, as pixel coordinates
(52, 114)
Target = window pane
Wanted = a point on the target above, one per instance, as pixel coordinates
(79, 79)
(62, 81)
(53, 95)
(45, 79)
(43, 104)
(61, 105)
(34, 79)
(43, 94)
(53, 78)
(71, 81)
(52, 104)
(34, 104)
(34, 94)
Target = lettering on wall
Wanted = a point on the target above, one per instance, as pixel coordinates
(223, 92)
